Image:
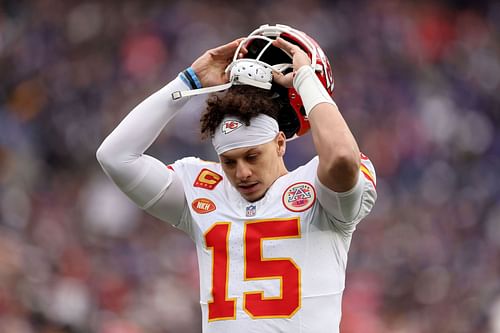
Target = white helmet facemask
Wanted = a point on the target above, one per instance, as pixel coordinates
(245, 71)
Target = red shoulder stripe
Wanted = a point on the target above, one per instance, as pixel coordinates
(368, 175)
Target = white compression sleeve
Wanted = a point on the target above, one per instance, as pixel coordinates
(143, 178)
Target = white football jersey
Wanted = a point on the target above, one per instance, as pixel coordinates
(274, 265)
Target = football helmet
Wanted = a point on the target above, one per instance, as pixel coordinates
(292, 118)
(256, 66)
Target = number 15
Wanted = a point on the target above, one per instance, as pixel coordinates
(256, 268)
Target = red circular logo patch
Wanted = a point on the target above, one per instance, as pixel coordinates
(203, 205)
(299, 197)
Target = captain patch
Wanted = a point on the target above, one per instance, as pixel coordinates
(207, 179)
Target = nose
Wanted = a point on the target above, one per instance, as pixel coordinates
(243, 171)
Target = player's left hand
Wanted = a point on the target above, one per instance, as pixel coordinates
(300, 58)
(210, 67)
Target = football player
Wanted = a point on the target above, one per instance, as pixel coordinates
(272, 243)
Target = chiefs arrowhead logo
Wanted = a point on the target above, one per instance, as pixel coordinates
(203, 205)
(207, 179)
(230, 125)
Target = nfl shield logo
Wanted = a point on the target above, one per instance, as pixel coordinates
(251, 210)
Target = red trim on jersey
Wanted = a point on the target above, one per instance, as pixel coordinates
(363, 156)
(368, 174)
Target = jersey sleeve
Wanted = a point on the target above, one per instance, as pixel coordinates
(171, 203)
(184, 170)
(347, 209)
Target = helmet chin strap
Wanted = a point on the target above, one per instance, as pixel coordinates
(249, 72)
(186, 93)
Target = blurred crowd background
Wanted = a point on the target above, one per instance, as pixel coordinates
(418, 82)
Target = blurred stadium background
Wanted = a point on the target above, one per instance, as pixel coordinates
(418, 82)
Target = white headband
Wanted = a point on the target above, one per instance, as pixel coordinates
(233, 133)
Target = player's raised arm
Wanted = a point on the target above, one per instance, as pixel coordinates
(337, 149)
(143, 178)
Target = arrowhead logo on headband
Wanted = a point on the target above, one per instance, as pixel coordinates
(230, 125)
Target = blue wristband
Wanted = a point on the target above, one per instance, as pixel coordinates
(194, 77)
(189, 77)
(184, 79)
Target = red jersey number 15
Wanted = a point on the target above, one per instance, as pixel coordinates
(256, 268)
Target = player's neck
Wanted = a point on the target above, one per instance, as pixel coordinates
(282, 170)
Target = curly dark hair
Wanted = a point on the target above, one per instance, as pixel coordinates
(243, 102)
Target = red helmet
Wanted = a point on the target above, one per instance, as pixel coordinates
(292, 119)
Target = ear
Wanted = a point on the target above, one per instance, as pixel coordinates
(281, 143)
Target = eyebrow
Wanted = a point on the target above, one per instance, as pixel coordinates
(251, 150)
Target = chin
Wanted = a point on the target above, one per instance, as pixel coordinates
(254, 196)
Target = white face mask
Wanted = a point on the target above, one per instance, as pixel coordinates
(233, 133)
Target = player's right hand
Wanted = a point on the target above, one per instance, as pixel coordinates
(210, 67)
